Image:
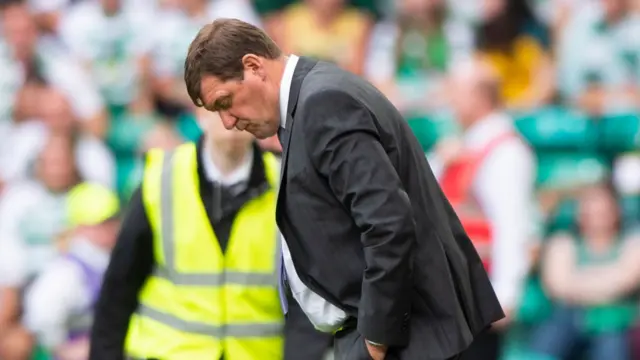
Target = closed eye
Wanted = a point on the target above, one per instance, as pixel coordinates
(222, 104)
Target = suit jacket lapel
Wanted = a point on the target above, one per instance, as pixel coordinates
(303, 68)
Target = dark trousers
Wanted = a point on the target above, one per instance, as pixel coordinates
(486, 346)
(561, 335)
(302, 341)
(350, 345)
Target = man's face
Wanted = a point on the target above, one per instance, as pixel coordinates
(249, 104)
(614, 8)
(111, 6)
(231, 141)
(465, 99)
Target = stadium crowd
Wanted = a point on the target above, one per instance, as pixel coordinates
(87, 86)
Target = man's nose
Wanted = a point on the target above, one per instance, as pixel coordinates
(228, 120)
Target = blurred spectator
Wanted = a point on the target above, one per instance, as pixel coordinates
(31, 218)
(325, 29)
(591, 275)
(15, 342)
(39, 202)
(113, 41)
(162, 136)
(59, 304)
(94, 160)
(32, 63)
(179, 26)
(517, 46)
(426, 41)
(496, 210)
(599, 66)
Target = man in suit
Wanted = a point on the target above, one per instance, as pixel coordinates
(366, 225)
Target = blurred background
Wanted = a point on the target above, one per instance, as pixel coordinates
(87, 86)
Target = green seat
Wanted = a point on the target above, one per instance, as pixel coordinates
(425, 131)
(428, 130)
(187, 126)
(39, 353)
(562, 170)
(126, 133)
(564, 217)
(630, 206)
(558, 129)
(620, 133)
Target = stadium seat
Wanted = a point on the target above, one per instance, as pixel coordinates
(620, 133)
(564, 217)
(562, 170)
(558, 129)
(630, 206)
(429, 129)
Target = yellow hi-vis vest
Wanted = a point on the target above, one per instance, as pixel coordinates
(200, 303)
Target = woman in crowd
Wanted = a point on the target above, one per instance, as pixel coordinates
(591, 275)
(516, 44)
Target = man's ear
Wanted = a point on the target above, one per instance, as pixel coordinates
(252, 63)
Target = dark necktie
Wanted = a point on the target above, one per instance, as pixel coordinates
(282, 274)
(282, 136)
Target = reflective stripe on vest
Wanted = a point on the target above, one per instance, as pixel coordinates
(232, 330)
(193, 279)
(199, 302)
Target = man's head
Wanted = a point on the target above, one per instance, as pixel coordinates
(111, 7)
(19, 28)
(474, 92)
(56, 111)
(614, 10)
(56, 166)
(235, 69)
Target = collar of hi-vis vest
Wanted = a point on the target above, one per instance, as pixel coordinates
(257, 182)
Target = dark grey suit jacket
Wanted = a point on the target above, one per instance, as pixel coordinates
(366, 222)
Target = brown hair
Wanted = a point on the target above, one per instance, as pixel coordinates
(218, 50)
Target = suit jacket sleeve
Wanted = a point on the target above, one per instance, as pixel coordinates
(344, 146)
(131, 263)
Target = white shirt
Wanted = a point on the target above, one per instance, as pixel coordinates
(60, 292)
(504, 188)
(241, 174)
(111, 46)
(60, 69)
(323, 315)
(29, 247)
(25, 141)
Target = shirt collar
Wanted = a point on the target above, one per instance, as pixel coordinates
(285, 87)
(239, 175)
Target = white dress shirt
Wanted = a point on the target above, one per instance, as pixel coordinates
(504, 189)
(323, 315)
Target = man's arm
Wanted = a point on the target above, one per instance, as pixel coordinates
(131, 264)
(344, 145)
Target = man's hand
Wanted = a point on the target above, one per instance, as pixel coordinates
(377, 352)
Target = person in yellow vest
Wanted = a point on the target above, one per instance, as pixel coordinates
(194, 273)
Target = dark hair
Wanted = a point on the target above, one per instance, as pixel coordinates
(500, 32)
(7, 3)
(218, 50)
